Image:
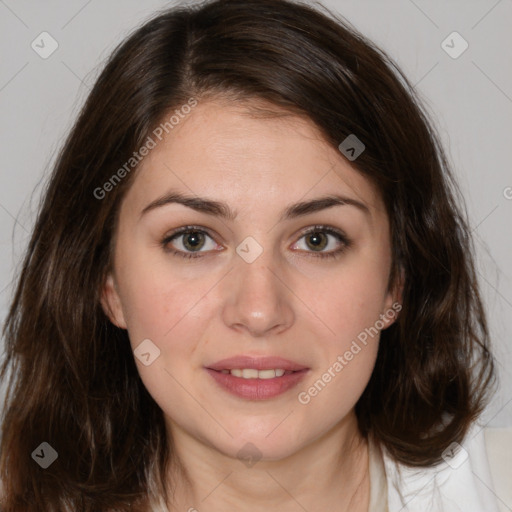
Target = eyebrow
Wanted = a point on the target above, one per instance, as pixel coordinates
(222, 210)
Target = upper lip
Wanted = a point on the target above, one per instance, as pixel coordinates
(257, 363)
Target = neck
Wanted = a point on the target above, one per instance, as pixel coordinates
(330, 473)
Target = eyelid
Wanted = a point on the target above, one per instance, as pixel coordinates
(322, 227)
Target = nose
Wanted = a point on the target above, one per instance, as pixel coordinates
(257, 299)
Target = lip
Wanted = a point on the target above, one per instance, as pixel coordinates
(257, 363)
(257, 389)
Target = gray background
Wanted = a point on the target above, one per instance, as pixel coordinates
(470, 98)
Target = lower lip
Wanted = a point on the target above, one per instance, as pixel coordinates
(257, 389)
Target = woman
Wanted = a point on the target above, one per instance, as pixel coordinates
(250, 285)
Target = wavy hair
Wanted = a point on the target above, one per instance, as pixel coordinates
(73, 381)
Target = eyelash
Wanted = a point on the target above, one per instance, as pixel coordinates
(341, 237)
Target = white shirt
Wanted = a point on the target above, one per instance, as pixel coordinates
(474, 477)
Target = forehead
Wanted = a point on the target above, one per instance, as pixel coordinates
(244, 157)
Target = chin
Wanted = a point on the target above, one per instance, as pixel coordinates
(262, 446)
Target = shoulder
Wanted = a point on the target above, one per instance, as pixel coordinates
(473, 477)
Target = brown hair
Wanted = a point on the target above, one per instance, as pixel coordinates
(74, 383)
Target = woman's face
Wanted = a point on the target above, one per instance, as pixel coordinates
(262, 283)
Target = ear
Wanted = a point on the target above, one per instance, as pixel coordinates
(111, 302)
(393, 301)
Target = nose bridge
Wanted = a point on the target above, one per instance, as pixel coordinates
(257, 299)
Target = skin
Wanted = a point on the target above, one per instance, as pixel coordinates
(288, 302)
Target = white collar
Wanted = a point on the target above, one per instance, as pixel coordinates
(378, 485)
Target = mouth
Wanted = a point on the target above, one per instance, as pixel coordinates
(255, 378)
(253, 373)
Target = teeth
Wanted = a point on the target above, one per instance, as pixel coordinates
(250, 373)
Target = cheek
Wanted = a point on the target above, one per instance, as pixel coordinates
(351, 309)
(157, 308)
(155, 298)
(171, 310)
(350, 301)
(350, 305)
